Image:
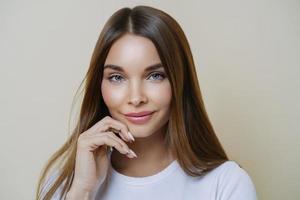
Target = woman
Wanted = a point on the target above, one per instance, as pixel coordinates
(142, 99)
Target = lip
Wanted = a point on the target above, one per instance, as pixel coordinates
(139, 114)
(139, 119)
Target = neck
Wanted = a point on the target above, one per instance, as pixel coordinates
(153, 155)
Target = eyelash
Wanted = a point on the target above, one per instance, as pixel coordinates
(155, 73)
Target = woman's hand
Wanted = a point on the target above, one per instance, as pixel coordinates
(92, 160)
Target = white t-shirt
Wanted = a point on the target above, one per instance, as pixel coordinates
(226, 182)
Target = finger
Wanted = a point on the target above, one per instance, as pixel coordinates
(129, 153)
(105, 124)
(117, 139)
(110, 139)
(118, 133)
(120, 128)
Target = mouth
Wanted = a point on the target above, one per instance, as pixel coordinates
(139, 119)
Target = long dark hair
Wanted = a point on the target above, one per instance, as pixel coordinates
(189, 131)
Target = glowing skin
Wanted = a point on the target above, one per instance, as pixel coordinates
(136, 90)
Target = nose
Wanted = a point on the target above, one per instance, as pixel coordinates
(137, 94)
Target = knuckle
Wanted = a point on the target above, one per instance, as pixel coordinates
(123, 128)
(110, 132)
(106, 118)
(105, 126)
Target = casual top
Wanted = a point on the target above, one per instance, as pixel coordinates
(226, 182)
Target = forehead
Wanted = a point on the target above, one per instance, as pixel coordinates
(133, 51)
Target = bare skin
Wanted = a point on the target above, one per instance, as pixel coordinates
(149, 161)
(136, 89)
(92, 160)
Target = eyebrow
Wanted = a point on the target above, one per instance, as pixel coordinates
(119, 68)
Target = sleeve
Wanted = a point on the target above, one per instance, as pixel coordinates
(235, 184)
(47, 185)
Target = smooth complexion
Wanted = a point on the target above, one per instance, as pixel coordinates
(129, 85)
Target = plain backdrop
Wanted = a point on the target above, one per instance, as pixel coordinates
(247, 57)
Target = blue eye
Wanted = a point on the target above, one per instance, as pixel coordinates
(159, 74)
(114, 76)
(118, 78)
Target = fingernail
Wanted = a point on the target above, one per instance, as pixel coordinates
(131, 136)
(127, 150)
(132, 153)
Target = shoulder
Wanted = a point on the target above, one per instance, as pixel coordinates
(233, 182)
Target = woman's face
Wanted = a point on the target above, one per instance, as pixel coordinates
(129, 86)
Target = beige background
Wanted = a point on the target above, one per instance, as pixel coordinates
(247, 55)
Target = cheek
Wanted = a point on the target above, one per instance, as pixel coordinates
(161, 94)
(112, 97)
